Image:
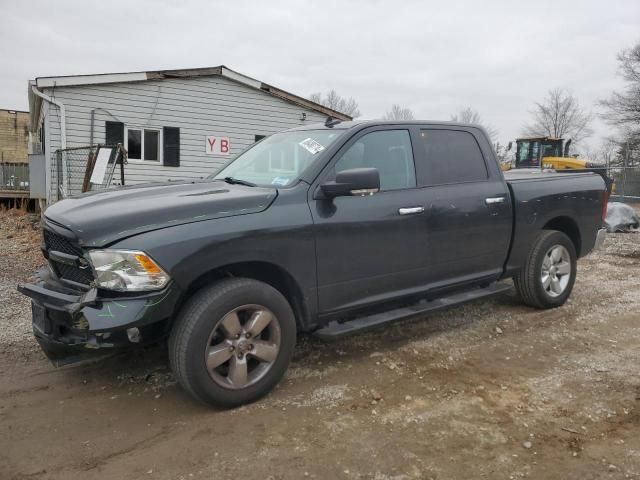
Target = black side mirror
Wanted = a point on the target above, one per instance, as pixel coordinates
(357, 181)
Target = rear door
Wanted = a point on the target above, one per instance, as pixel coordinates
(467, 205)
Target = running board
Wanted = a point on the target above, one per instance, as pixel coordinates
(335, 330)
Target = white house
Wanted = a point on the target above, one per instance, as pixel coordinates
(173, 123)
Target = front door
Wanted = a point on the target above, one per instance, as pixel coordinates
(371, 248)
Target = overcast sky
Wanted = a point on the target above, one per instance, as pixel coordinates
(431, 56)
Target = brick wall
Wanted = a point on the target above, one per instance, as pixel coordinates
(14, 136)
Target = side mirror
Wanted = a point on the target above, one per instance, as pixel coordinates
(357, 181)
(509, 146)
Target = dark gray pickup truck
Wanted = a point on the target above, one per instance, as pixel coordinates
(331, 229)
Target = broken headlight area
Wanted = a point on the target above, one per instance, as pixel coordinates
(127, 271)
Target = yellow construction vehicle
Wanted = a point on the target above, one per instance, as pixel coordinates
(552, 153)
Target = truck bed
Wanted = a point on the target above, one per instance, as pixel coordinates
(542, 198)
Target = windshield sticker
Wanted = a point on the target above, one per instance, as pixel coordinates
(280, 181)
(311, 145)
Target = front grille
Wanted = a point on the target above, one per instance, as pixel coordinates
(54, 241)
(74, 274)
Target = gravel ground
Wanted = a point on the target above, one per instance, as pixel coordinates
(19, 257)
(488, 390)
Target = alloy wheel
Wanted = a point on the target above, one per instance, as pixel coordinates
(243, 346)
(556, 270)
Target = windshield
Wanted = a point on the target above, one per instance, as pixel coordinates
(280, 159)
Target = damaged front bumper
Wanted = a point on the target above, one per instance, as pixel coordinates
(68, 323)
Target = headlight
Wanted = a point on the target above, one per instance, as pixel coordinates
(127, 271)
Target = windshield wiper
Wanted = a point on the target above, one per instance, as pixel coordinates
(238, 181)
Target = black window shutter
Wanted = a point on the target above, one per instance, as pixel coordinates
(171, 146)
(113, 133)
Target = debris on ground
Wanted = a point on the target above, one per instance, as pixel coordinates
(621, 218)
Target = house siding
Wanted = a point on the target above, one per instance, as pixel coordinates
(199, 106)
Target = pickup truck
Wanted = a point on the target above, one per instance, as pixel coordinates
(332, 228)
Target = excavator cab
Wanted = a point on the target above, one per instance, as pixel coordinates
(530, 151)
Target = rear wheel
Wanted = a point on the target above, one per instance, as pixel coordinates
(232, 342)
(547, 278)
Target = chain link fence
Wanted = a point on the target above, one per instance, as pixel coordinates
(72, 170)
(626, 183)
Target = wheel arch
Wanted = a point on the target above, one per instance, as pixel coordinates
(263, 271)
(569, 227)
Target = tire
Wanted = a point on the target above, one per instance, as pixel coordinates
(206, 332)
(539, 290)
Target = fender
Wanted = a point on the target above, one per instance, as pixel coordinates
(187, 252)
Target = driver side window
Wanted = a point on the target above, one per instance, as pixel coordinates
(389, 151)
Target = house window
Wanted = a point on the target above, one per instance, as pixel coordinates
(143, 144)
(151, 145)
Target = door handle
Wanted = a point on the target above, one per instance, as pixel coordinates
(494, 200)
(410, 210)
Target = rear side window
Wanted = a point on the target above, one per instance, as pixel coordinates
(451, 156)
(387, 150)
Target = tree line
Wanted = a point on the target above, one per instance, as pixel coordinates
(560, 114)
(622, 110)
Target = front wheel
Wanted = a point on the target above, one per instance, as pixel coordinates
(547, 278)
(232, 342)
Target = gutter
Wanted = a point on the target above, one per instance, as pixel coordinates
(63, 120)
(63, 141)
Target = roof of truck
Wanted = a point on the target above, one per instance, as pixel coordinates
(359, 123)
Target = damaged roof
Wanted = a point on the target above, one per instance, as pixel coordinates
(221, 70)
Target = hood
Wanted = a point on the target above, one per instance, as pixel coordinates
(100, 218)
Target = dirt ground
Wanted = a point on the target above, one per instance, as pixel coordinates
(489, 390)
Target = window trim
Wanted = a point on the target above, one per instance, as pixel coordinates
(142, 161)
(325, 174)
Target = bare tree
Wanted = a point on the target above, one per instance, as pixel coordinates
(589, 153)
(608, 150)
(469, 115)
(560, 115)
(628, 153)
(607, 153)
(623, 108)
(398, 113)
(615, 151)
(504, 153)
(337, 102)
